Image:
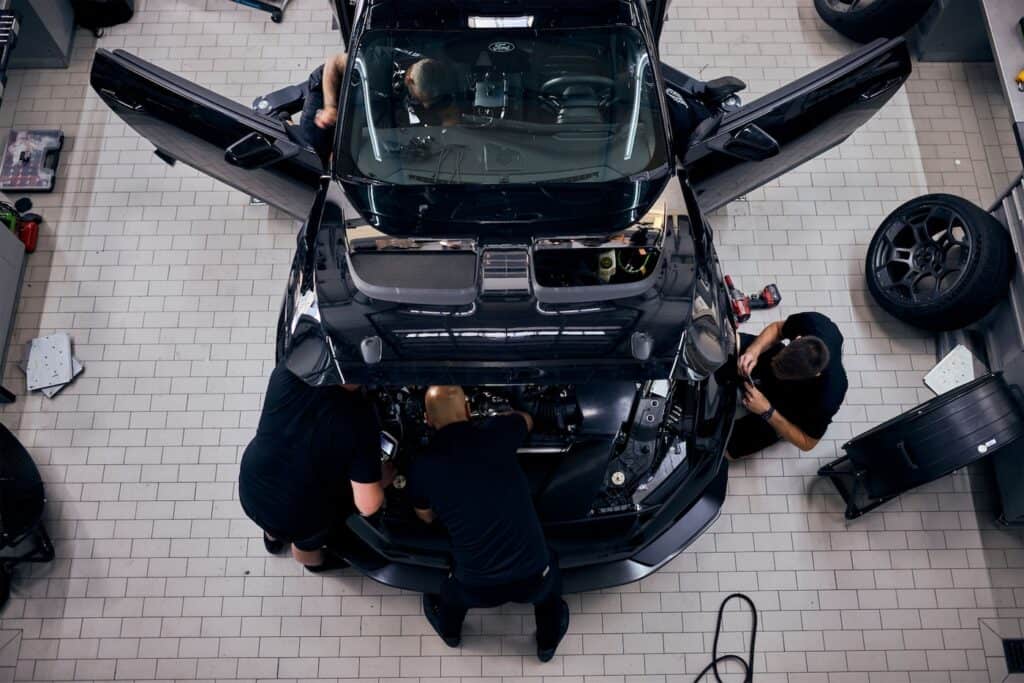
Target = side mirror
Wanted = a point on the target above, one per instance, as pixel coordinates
(258, 151)
(750, 143)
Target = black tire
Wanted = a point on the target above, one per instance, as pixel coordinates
(939, 262)
(865, 20)
(276, 17)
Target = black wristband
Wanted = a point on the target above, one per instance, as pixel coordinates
(767, 415)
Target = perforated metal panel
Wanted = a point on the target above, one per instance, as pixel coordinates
(49, 361)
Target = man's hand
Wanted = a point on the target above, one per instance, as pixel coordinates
(746, 363)
(327, 117)
(754, 401)
(426, 515)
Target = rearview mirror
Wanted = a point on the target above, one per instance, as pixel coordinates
(750, 143)
(257, 151)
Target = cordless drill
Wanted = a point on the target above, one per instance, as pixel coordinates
(742, 305)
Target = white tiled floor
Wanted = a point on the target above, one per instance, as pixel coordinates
(170, 283)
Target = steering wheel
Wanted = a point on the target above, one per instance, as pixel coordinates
(560, 83)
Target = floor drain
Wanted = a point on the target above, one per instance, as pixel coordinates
(1013, 648)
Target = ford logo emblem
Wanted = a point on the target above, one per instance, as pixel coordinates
(501, 46)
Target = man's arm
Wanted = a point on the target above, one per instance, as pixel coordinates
(758, 404)
(791, 433)
(527, 417)
(334, 71)
(368, 497)
(769, 336)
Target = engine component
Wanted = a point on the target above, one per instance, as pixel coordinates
(635, 461)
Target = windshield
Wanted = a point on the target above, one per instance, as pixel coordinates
(502, 106)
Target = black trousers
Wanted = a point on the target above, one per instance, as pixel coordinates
(750, 433)
(320, 139)
(543, 592)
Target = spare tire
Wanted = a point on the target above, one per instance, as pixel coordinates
(865, 20)
(939, 262)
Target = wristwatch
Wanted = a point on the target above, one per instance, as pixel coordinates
(767, 415)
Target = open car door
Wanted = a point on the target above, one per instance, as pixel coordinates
(657, 10)
(215, 135)
(805, 118)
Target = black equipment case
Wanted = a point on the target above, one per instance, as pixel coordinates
(934, 439)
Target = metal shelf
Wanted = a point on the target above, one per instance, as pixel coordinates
(1002, 19)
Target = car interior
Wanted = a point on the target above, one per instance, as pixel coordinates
(553, 106)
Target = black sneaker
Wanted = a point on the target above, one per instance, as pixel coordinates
(546, 654)
(273, 545)
(433, 615)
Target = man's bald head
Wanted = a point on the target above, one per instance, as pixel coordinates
(445, 405)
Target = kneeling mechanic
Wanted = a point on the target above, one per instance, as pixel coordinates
(311, 445)
(470, 478)
(792, 391)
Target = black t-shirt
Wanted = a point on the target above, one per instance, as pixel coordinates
(294, 477)
(809, 404)
(471, 478)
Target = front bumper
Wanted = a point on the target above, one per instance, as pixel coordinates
(424, 575)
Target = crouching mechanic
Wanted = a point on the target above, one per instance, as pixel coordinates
(791, 391)
(470, 478)
(311, 445)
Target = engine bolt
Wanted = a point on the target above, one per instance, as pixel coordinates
(399, 482)
(618, 478)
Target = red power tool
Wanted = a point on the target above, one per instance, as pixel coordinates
(768, 297)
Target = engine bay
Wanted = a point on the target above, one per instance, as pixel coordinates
(555, 410)
(595, 448)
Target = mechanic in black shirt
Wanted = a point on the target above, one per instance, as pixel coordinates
(310, 444)
(469, 478)
(792, 391)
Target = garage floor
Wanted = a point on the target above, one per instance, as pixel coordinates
(170, 284)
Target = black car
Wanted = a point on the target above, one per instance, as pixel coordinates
(516, 252)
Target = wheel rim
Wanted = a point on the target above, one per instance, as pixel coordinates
(923, 254)
(848, 6)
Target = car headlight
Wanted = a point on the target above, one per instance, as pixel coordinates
(707, 342)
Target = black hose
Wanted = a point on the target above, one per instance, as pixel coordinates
(747, 664)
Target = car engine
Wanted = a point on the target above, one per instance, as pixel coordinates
(555, 411)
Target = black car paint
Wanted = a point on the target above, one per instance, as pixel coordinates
(807, 118)
(196, 126)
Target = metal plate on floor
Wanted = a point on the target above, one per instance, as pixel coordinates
(49, 361)
(954, 370)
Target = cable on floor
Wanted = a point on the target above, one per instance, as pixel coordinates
(746, 664)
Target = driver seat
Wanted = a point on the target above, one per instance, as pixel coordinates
(579, 104)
